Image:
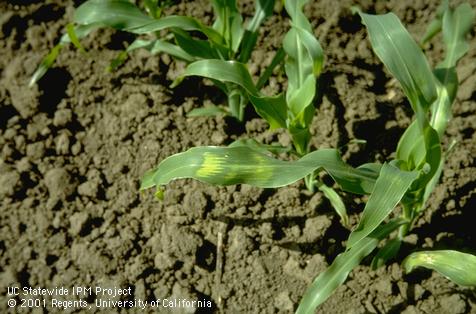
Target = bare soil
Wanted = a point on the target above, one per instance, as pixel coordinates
(74, 147)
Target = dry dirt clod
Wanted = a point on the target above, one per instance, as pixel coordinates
(59, 183)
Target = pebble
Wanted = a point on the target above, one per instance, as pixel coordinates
(62, 117)
(35, 150)
(23, 165)
(62, 144)
(283, 302)
(9, 182)
(77, 222)
(59, 184)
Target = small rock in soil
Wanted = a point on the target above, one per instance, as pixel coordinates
(218, 138)
(24, 99)
(9, 134)
(163, 261)
(315, 227)
(62, 117)
(9, 183)
(20, 143)
(7, 152)
(195, 204)
(411, 309)
(91, 186)
(315, 265)
(59, 183)
(283, 302)
(62, 144)
(239, 243)
(179, 292)
(382, 286)
(454, 304)
(78, 222)
(76, 148)
(36, 150)
(23, 165)
(179, 242)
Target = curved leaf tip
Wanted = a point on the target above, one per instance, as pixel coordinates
(456, 266)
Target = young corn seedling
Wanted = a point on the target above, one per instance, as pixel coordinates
(303, 63)
(228, 39)
(419, 155)
(293, 110)
(408, 179)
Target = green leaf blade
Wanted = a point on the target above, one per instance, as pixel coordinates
(272, 109)
(45, 64)
(229, 71)
(243, 165)
(389, 189)
(387, 252)
(48, 61)
(336, 203)
(119, 14)
(334, 276)
(456, 25)
(124, 15)
(456, 266)
(263, 9)
(403, 58)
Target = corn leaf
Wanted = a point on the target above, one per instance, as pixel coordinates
(420, 152)
(262, 148)
(124, 15)
(387, 252)
(158, 46)
(154, 47)
(229, 22)
(229, 71)
(45, 64)
(435, 26)
(244, 165)
(456, 25)
(196, 47)
(247, 45)
(152, 8)
(389, 189)
(74, 38)
(277, 60)
(456, 266)
(334, 276)
(263, 9)
(302, 65)
(403, 58)
(336, 202)
(272, 109)
(49, 59)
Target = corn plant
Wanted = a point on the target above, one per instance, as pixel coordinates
(304, 59)
(293, 110)
(431, 95)
(407, 180)
(229, 38)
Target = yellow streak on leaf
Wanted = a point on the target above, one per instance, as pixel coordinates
(212, 165)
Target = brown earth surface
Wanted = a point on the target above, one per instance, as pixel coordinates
(74, 147)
